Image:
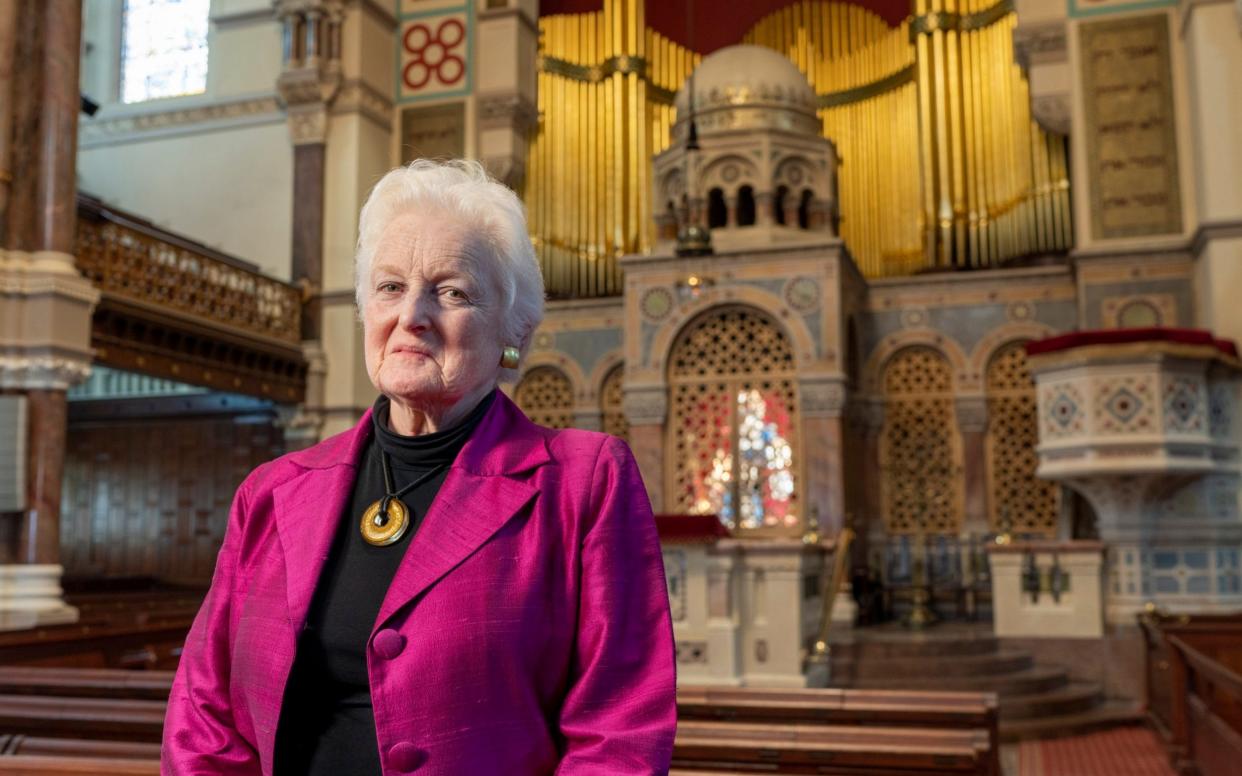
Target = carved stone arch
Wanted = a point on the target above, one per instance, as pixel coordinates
(733, 421)
(672, 185)
(807, 175)
(873, 370)
(1001, 337)
(806, 350)
(603, 366)
(545, 393)
(563, 362)
(714, 175)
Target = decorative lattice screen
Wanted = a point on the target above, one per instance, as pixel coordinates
(546, 396)
(1016, 495)
(733, 421)
(920, 448)
(610, 405)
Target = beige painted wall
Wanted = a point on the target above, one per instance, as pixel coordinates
(216, 167)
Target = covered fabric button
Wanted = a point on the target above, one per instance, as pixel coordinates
(405, 756)
(388, 643)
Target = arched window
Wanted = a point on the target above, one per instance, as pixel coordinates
(717, 211)
(546, 396)
(1016, 496)
(746, 206)
(612, 411)
(733, 421)
(163, 48)
(920, 448)
(778, 204)
(804, 209)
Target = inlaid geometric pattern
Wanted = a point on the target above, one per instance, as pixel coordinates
(546, 396)
(733, 421)
(920, 449)
(610, 405)
(1063, 411)
(1017, 497)
(1125, 405)
(1185, 405)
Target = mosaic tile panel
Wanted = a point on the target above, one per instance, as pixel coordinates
(1125, 405)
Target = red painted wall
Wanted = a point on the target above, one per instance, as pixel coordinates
(717, 23)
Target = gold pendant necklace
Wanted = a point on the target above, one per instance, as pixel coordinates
(386, 521)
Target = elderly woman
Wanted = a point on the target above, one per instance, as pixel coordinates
(446, 588)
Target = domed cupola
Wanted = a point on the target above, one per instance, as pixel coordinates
(762, 173)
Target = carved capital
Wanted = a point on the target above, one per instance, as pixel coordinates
(972, 414)
(43, 371)
(823, 398)
(507, 110)
(308, 124)
(1052, 111)
(646, 406)
(1040, 43)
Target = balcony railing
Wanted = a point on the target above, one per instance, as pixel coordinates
(128, 257)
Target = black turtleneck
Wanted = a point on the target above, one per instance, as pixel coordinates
(327, 727)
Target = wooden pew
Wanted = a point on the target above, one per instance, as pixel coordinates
(69, 747)
(115, 683)
(83, 718)
(889, 708)
(1194, 689)
(31, 765)
(154, 644)
(829, 749)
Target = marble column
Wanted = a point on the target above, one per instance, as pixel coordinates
(823, 428)
(308, 84)
(47, 305)
(972, 421)
(646, 409)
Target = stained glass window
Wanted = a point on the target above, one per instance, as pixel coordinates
(164, 49)
(733, 420)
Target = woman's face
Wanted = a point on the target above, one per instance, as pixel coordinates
(432, 317)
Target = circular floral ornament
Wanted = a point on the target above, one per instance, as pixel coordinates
(802, 294)
(656, 304)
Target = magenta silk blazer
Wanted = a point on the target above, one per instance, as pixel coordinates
(527, 630)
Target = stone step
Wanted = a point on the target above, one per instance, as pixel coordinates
(991, 663)
(907, 646)
(1029, 681)
(1105, 715)
(1073, 698)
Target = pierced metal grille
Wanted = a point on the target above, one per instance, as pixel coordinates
(920, 449)
(546, 396)
(733, 421)
(1027, 503)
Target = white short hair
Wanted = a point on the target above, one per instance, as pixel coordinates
(461, 188)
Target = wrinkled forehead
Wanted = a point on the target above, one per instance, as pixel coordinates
(429, 240)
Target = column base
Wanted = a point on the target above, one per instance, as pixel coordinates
(31, 596)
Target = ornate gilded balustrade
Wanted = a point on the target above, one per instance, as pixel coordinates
(176, 309)
(128, 257)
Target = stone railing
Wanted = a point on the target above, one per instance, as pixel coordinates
(745, 611)
(1048, 589)
(125, 256)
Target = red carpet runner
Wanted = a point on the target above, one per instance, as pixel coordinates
(1131, 751)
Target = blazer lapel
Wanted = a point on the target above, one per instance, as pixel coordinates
(478, 497)
(308, 511)
(467, 511)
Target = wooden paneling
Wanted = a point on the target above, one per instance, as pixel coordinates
(151, 497)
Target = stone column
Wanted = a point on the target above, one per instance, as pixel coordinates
(972, 422)
(823, 405)
(308, 83)
(508, 47)
(646, 409)
(47, 305)
(870, 416)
